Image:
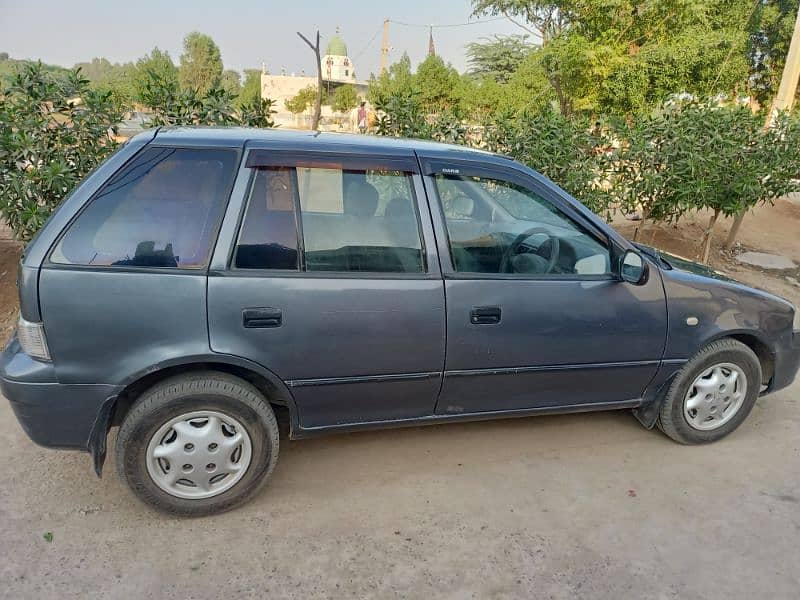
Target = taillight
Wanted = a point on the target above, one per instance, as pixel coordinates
(31, 338)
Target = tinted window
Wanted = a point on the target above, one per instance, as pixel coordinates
(268, 237)
(363, 221)
(497, 226)
(162, 210)
(352, 220)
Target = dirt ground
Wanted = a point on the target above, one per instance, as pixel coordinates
(577, 506)
(774, 229)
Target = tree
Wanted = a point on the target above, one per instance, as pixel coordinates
(257, 112)
(545, 20)
(251, 88)
(696, 156)
(301, 100)
(231, 81)
(344, 99)
(498, 58)
(561, 148)
(397, 79)
(403, 115)
(115, 78)
(11, 67)
(49, 142)
(437, 84)
(770, 33)
(200, 64)
(173, 105)
(318, 61)
(156, 65)
(628, 56)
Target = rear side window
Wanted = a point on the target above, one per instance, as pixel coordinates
(268, 238)
(350, 221)
(161, 210)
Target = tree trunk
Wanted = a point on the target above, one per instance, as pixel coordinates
(707, 237)
(734, 232)
(563, 101)
(653, 236)
(318, 104)
(639, 227)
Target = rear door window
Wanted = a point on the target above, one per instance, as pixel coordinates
(325, 218)
(359, 220)
(161, 210)
(268, 237)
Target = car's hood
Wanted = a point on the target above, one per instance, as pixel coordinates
(673, 261)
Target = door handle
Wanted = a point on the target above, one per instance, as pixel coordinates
(485, 315)
(262, 317)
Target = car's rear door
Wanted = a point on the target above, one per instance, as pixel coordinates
(326, 273)
(519, 337)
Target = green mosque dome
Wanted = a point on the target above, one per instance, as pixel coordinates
(336, 47)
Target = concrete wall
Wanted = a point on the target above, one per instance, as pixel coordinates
(282, 87)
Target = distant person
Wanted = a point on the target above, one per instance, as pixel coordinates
(362, 117)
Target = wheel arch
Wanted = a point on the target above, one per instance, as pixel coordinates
(114, 410)
(647, 412)
(758, 344)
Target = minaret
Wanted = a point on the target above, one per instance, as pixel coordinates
(431, 49)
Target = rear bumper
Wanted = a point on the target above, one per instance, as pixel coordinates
(787, 363)
(53, 414)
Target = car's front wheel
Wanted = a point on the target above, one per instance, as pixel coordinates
(198, 444)
(712, 394)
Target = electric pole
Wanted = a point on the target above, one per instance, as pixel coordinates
(783, 100)
(385, 46)
(791, 72)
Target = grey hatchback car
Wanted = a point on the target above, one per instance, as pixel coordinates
(200, 278)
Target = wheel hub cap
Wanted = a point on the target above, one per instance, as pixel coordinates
(199, 454)
(715, 396)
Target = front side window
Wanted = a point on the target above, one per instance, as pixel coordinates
(496, 226)
(161, 210)
(350, 221)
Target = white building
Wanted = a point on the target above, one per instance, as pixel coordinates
(336, 64)
(337, 69)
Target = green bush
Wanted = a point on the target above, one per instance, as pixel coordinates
(51, 135)
(173, 105)
(402, 115)
(695, 156)
(344, 98)
(302, 100)
(563, 149)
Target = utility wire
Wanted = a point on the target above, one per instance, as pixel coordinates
(429, 26)
(367, 45)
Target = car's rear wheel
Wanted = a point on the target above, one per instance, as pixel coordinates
(712, 394)
(198, 444)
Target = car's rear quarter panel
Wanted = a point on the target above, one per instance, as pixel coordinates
(121, 324)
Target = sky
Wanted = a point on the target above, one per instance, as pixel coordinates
(248, 32)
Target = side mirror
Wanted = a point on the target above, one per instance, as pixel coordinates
(633, 268)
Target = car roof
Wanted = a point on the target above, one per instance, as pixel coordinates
(299, 140)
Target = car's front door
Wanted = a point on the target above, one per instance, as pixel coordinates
(331, 281)
(535, 318)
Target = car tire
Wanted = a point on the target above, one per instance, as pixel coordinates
(704, 381)
(227, 421)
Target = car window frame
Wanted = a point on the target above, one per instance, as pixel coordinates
(259, 157)
(213, 239)
(432, 166)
